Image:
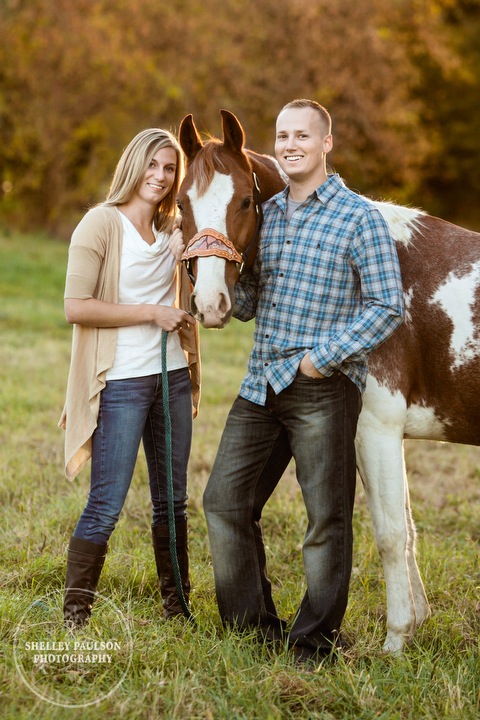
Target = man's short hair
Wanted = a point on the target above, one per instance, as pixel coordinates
(325, 117)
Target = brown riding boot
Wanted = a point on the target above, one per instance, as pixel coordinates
(84, 565)
(161, 537)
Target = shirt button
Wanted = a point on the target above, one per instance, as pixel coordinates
(267, 335)
(266, 364)
(274, 304)
(280, 274)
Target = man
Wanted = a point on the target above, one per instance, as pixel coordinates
(325, 290)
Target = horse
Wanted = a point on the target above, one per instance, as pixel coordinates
(423, 382)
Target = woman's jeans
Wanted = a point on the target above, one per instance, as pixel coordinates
(132, 410)
(320, 419)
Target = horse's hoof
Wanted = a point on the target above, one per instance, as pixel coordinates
(394, 645)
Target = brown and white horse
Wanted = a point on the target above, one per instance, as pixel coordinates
(424, 382)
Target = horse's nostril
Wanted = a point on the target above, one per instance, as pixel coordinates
(224, 304)
(193, 305)
(194, 309)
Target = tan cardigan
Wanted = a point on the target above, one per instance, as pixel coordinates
(93, 271)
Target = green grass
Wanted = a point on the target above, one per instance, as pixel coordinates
(199, 671)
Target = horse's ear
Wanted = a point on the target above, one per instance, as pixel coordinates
(188, 137)
(233, 135)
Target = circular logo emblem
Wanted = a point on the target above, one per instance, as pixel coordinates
(72, 668)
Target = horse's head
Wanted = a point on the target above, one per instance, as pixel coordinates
(220, 201)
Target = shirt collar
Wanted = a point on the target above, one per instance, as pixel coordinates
(324, 192)
(329, 188)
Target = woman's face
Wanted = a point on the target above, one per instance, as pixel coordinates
(158, 179)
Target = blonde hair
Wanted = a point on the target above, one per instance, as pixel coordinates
(325, 117)
(134, 162)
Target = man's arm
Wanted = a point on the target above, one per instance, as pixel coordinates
(382, 299)
(246, 295)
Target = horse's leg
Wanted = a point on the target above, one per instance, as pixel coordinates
(422, 607)
(381, 465)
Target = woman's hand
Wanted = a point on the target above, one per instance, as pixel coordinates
(96, 313)
(176, 244)
(171, 318)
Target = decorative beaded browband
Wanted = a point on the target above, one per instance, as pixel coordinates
(211, 242)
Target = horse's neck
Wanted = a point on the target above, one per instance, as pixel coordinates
(269, 175)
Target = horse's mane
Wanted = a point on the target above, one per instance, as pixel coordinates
(402, 221)
(206, 162)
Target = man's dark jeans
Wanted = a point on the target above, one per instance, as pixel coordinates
(319, 417)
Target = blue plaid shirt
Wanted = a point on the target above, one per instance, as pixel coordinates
(328, 282)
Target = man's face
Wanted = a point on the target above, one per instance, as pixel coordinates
(301, 144)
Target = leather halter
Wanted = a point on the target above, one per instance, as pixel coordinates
(212, 242)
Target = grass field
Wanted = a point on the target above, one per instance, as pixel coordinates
(174, 670)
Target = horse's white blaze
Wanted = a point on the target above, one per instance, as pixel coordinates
(210, 209)
(456, 297)
(212, 298)
(210, 285)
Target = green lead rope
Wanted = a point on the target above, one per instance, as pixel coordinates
(168, 462)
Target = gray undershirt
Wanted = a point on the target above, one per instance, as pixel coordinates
(291, 207)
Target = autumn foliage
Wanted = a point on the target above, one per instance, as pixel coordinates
(78, 78)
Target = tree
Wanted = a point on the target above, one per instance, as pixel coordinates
(78, 78)
(75, 82)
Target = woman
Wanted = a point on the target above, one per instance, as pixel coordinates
(123, 288)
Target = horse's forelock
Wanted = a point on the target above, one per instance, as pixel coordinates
(206, 162)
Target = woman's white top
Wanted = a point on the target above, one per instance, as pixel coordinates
(147, 276)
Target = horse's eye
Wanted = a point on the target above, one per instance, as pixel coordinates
(180, 205)
(246, 202)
